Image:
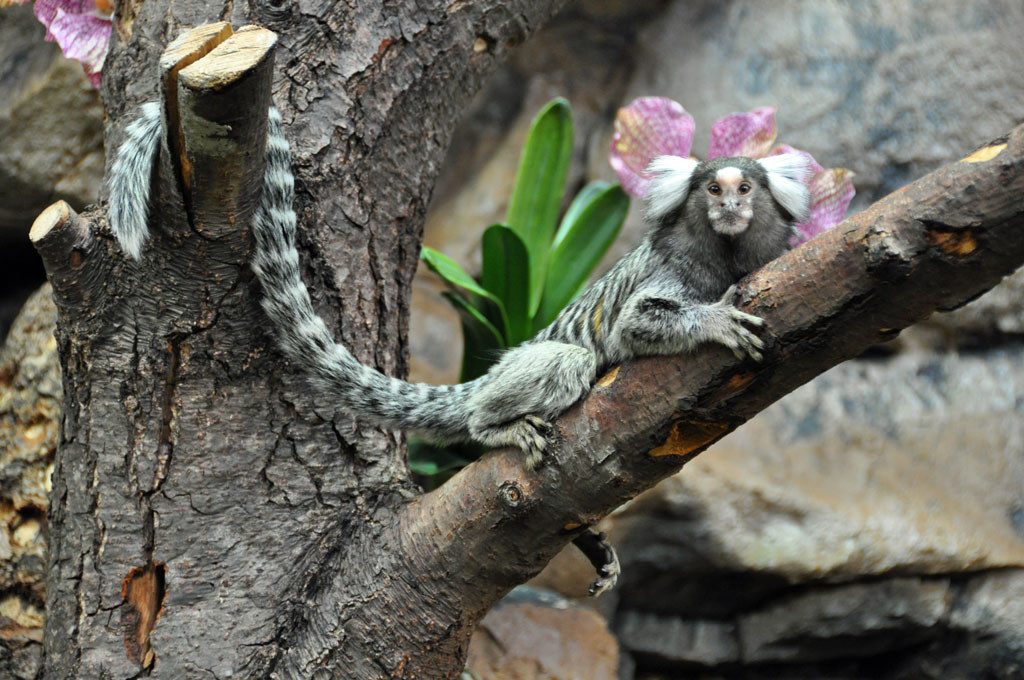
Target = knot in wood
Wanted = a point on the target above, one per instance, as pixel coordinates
(510, 494)
(887, 258)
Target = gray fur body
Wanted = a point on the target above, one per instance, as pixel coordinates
(668, 296)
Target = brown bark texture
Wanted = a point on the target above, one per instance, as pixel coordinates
(210, 517)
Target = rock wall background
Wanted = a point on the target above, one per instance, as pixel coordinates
(870, 525)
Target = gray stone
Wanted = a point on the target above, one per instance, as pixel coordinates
(992, 604)
(536, 635)
(674, 640)
(841, 622)
(998, 312)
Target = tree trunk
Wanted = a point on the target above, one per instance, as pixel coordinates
(207, 507)
(211, 518)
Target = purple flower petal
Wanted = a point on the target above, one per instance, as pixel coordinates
(84, 37)
(46, 11)
(648, 128)
(831, 193)
(80, 30)
(743, 134)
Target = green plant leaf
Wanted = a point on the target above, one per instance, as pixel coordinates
(428, 459)
(586, 239)
(506, 273)
(582, 200)
(482, 342)
(449, 270)
(435, 463)
(540, 185)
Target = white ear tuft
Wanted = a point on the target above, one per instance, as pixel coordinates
(669, 186)
(788, 174)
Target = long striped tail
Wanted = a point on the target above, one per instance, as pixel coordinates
(130, 180)
(439, 412)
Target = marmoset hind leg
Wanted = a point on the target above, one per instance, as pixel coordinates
(529, 386)
(656, 322)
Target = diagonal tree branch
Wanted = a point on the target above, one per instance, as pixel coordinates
(931, 246)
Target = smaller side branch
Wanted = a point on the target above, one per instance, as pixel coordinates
(69, 251)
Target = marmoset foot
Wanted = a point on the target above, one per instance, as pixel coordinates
(602, 555)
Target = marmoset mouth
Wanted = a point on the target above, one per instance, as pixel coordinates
(730, 224)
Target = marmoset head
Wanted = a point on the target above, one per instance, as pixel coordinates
(727, 193)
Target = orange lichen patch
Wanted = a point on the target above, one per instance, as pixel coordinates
(689, 435)
(143, 592)
(609, 377)
(730, 388)
(985, 154)
(382, 48)
(954, 242)
(572, 526)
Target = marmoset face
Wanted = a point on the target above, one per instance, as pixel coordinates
(730, 200)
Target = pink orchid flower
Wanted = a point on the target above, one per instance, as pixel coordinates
(657, 126)
(81, 28)
(648, 128)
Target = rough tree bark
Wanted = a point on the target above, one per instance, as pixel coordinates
(210, 518)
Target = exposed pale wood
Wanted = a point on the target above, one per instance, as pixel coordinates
(56, 214)
(181, 52)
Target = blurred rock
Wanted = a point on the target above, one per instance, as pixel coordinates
(998, 312)
(992, 603)
(51, 123)
(907, 465)
(533, 634)
(51, 127)
(30, 397)
(667, 640)
(840, 622)
(913, 464)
